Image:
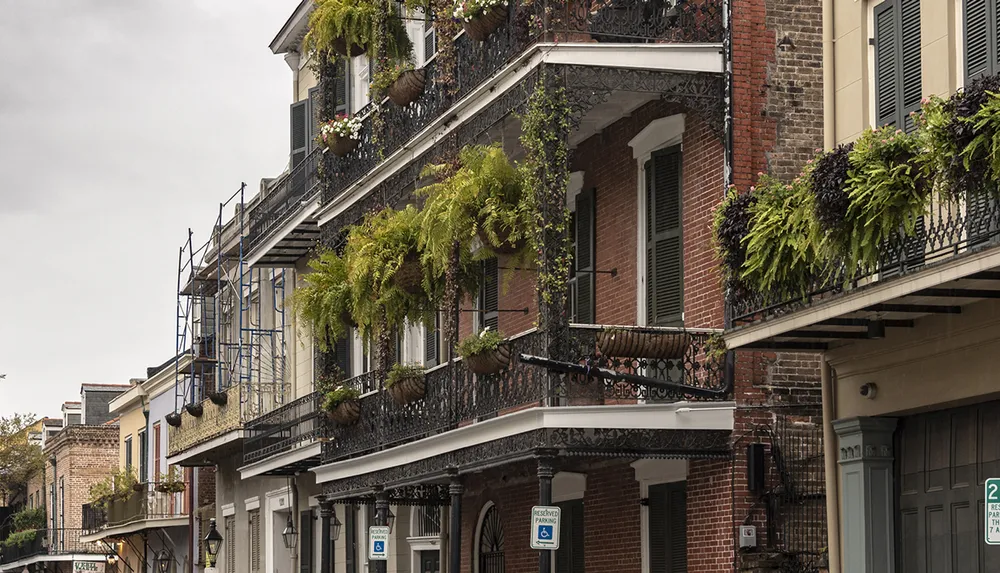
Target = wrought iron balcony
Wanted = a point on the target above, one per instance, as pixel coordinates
(50, 542)
(455, 397)
(283, 199)
(293, 425)
(149, 502)
(946, 231)
(578, 21)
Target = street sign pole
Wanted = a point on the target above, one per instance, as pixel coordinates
(992, 511)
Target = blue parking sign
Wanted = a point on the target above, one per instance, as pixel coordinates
(545, 532)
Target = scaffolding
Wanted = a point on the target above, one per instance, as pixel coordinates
(230, 320)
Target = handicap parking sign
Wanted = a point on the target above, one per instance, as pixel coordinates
(378, 546)
(545, 527)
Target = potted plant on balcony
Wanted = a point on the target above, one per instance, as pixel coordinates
(340, 135)
(170, 482)
(400, 81)
(405, 383)
(343, 405)
(480, 18)
(485, 353)
(623, 342)
(323, 303)
(347, 28)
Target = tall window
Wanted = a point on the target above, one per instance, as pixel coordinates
(569, 556)
(582, 278)
(664, 244)
(897, 63)
(156, 452)
(306, 544)
(432, 341)
(254, 516)
(128, 453)
(143, 456)
(490, 545)
(982, 47)
(668, 528)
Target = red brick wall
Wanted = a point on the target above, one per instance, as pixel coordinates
(710, 518)
(84, 456)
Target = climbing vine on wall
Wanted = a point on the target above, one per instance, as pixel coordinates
(545, 130)
(445, 29)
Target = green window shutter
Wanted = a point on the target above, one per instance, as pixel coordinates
(569, 556)
(299, 131)
(980, 36)
(489, 295)
(306, 541)
(432, 333)
(342, 79)
(887, 104)
(664, 246)
(585, 226)
(911, 86)
(668, 528)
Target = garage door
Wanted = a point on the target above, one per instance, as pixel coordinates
(943, 459)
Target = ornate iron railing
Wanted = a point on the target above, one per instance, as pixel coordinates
(628, 21)
(149, 501)
(947, 230)
(62, 541)
(292, 425)
(284, 198)
(456, 397)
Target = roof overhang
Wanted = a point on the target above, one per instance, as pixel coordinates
(289, 38)
(674, 416)
(135, 527)
(679, 58)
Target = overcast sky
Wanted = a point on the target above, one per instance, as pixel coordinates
(122, 123)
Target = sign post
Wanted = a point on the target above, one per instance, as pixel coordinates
(378, 543)
(993, 511)
(545, 527)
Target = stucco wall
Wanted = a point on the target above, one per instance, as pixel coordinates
(130, 422)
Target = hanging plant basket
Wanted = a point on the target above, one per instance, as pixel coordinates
(505, 246)
(643, 344)
(340, 46)
(347, 319)
(195, 410)
(346, 413)
(408, 389)
(408, 87)
(489, 362)
(173, 419)
(409, 276)
(341, 145)
(218, 398)
(137, 487)
(481, 26)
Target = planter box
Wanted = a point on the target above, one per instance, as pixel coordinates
(643, 344)
(480, 27)
(408, 390)
(489, 362)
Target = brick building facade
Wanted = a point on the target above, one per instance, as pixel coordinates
(79, 457)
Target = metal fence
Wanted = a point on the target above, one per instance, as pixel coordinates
(50, 542)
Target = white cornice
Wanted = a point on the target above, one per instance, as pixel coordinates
(675, 416)
(291, 34)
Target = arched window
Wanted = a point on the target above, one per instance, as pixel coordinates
(489, 541)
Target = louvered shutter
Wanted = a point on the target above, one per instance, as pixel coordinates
(979, 23)
(306, 541)
(342, 79)
(230, 528)
(886, 64)
(664, 247)
(255, 540)
(351, 539)
(668, 528)
(489, 295)
(584, 293)
(569, 556)
(299, 131)
(430, 39)
(911, 85)
(342, 354)
(431, 335)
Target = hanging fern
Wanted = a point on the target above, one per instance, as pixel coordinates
(324, 303)
(355, 22)
(730, 227)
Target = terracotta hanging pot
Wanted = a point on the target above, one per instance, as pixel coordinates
(643, 344)
(346, 413)
(408, 389)
(481, 26)
(408, 87)
(490, 361)
(341, 145)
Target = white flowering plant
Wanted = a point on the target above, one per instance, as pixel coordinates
(342, 126)
(467, 10)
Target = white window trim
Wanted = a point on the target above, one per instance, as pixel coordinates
(252, 503)
(422, 543)
(654, 472)
(475, 535)
(228, 509)
(567, 486)
(278, 501)
(573, 189)
(659, 134)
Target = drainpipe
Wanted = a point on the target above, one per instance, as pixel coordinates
(192, 532)
(295, 515)
(292, 59)
(829, 92)
(830, 465)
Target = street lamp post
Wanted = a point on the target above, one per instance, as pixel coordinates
(213, 542)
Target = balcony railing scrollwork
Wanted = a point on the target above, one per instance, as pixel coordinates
(47, 542)
(148, 501)
(455, 397)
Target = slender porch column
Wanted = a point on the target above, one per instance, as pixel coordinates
(865, 455)
(326, 547)
(381, 518)
(545, 473)
(455, 490)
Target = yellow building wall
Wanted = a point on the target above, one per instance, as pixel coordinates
(941, 47)
(130, 423)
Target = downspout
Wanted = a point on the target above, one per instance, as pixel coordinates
(830, 465)
(191, 510)
(295, 515)
(829, 91)
(293, 59)
(727, 56)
